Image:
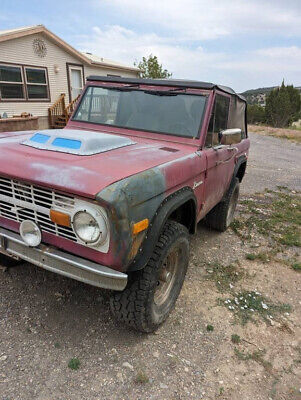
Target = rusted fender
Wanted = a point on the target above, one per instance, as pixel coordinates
(140, 196)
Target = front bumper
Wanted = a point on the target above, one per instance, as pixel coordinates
(54, 260)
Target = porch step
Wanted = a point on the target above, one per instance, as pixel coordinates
(59, 114)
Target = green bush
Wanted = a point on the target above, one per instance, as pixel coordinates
(283, 106)
(256, 114)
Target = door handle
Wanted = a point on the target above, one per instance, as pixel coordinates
(234, 150)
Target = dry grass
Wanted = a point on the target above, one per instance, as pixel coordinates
(284, 133)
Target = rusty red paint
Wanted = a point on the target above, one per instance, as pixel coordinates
(86, 176)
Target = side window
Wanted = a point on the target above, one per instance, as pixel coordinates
(218, 121)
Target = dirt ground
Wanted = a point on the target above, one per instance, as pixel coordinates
(47, 320)
(285, 133)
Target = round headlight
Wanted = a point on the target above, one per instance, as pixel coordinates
(30, 233)
(90, 228)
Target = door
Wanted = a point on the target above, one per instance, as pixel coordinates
(76, 80)
(220, 158)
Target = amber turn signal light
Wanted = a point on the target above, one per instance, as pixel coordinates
(60, 218)
(140, 226)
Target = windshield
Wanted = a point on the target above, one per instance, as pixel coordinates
(168, 112)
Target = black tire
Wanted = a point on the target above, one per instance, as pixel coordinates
(221, 216)
(140, 306)
(8, 262)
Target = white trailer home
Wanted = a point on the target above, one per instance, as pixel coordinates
(41, 76)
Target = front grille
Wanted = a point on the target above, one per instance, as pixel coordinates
(20, 201)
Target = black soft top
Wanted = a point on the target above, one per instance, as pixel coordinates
(183, 83)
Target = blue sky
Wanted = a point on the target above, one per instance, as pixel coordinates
(241, 43)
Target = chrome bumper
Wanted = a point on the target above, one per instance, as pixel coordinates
(54, 260)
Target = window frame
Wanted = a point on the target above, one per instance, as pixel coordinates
(69, 66)
(24, 84)
(14, 83)
(192, 93)
(220, 93)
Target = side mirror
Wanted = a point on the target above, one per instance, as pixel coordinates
(230, 136)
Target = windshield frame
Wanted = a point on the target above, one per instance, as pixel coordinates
(147, 88)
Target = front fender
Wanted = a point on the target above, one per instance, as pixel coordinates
(129, 201)
(166, 208)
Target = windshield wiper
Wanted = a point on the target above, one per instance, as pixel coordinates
(124, 88)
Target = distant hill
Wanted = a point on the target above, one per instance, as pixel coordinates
(258, 96)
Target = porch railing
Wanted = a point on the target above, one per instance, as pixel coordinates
(71, 107)
(57, 112)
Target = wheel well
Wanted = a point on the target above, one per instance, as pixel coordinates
(185, 214)
(241, 171)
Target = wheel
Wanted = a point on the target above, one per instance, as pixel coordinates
(221, 216)
(152, 292)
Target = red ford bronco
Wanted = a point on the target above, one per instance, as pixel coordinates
(111, 199)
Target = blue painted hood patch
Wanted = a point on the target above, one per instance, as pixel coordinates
(82, 143)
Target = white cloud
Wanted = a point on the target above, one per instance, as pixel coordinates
(203, 19)
(268, 60)
(263, 67)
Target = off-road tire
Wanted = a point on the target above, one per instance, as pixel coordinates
(136, 306)
(221, 216)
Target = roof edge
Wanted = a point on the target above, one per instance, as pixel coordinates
(31, 30)
(52, 36)
(167, 82)
(111, 66)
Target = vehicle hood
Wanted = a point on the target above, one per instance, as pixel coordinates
(83, 175)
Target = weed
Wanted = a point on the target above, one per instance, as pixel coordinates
(210, 328)
(174, 361)
(57, 345)
(141, 378)
(256, 356)
(274, 388)
(297, 266)
(277, 215)
(284, 327)
(246, 305)
(237, 227)
(235, 339)
(221, 390)
(177, 321)
(74, 363)
(263, 257)
(224, 275)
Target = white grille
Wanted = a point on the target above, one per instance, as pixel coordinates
(20, 201)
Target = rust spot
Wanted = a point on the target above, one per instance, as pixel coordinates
(136, 245)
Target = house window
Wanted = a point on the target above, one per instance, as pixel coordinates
(23, 83)
(36, 83)
(11, 82)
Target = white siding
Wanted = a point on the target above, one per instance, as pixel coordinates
(92, 70)
(21, 51)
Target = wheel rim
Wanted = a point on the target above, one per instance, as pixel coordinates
(232, 206)
(167, 276)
